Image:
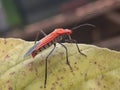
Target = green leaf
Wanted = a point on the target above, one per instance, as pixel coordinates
(100, 70)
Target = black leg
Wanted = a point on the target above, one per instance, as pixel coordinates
(67, 61)
(43, 32)
(39, 34)
(36, 37)
(79, 49)
(74, 41)
(46, 66)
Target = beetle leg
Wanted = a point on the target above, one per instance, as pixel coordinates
(46, 66)
(67, 61)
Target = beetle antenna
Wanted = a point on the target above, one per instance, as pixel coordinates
(87, 24)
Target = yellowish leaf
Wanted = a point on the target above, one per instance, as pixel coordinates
(100, 70)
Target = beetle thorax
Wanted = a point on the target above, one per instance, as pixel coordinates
(62, 31)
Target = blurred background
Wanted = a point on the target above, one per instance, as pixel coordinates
(25, 18)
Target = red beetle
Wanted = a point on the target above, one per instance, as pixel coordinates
(54, 37)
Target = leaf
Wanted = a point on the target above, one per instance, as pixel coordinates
(100, 70)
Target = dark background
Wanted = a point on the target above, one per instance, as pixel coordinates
(25, 18)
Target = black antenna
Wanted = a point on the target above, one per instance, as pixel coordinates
(87, 24)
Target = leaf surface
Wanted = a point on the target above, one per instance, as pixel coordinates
(100, 70)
